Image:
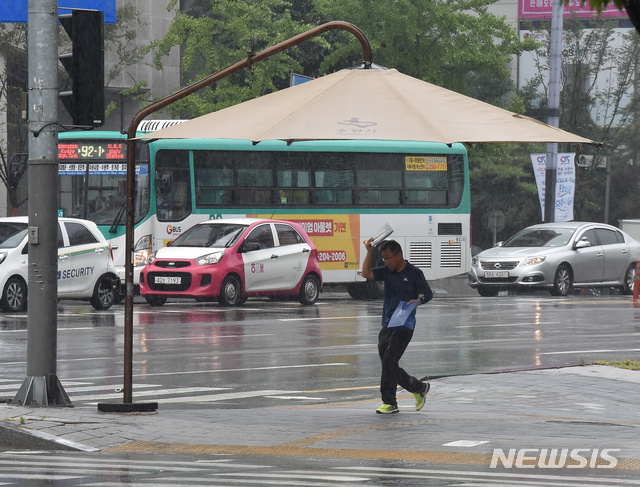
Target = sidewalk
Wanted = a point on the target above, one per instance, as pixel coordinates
(464, 420)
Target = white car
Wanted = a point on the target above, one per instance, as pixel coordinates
(85, 264)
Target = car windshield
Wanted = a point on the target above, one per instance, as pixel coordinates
(541, 237)
(11, 234)
(210, 235)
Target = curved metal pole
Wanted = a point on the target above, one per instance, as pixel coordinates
(252, 58)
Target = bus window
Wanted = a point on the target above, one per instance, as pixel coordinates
(289, 182)
(213, 175)
(334, 178)
(255, 180)
(456, 188)
(379, 178)
(173, 185)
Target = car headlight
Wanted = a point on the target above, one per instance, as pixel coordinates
(3, 255)
(534, 260)
(142, 251)
(151, 258)
(210, 258)
(474, 261)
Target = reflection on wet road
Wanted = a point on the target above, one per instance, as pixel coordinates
(193, 354)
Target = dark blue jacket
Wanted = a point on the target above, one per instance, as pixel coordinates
(405, 285)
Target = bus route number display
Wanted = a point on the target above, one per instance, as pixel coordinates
(421, 163)
(92, 150)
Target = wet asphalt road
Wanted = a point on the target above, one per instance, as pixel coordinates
(326, 352)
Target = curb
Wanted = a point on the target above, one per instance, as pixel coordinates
(13, 437)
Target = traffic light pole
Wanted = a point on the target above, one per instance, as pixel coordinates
(252, 58)
(41, 386)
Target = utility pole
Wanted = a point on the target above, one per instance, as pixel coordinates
(42, 387)
(553, 118)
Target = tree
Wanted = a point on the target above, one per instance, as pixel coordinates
(214, 34)
(13, 44)
(599, 100)
(452, 44)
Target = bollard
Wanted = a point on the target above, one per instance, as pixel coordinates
(636, 283)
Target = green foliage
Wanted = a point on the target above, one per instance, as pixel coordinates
(120, 38)
(621, 364)
(502, 179)
(452, 44)
(214, 34)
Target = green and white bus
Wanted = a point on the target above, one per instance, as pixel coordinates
(341, 192)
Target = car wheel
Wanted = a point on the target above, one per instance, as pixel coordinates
(562, 282)
(629, 280)
(155, 301)
(487, 292)
(103, 294)
(14, 297)
(230, 291)
(309, 290)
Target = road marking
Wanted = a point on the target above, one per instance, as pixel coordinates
(173, 339)
(519, 473)
(301, 398)
(155, 392)
(465, 443)
(566, 352)
(314, 318)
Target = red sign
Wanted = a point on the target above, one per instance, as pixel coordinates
(316, 228)
(542, 9)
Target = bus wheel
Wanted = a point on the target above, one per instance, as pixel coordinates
(309, 290)
(103, 294)
(367, 290)
(230, 291)
(155, 300)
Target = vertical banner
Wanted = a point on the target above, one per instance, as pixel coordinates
(565, 183)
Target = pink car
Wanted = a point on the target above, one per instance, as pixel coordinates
(233, 259)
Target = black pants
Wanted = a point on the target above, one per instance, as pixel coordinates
(392, 342)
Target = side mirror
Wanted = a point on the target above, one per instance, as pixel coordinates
(499, 244)
(249, 247)
(581, 244)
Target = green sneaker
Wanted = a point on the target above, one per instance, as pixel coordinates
(387, 409)
(420, 396)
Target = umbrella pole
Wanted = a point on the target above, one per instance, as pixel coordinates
(252, 58)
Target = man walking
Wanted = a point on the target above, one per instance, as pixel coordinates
(402, 282)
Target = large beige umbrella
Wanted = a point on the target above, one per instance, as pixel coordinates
(380, 104)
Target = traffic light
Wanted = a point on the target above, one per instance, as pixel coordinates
(85, 65)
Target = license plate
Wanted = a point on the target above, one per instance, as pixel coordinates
(490, 274)
(167, 280)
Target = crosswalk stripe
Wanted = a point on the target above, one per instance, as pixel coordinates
(155, 392)
(221, 397)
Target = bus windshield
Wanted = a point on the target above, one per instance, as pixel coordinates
(93, 178)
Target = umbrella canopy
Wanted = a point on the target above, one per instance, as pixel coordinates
(376, 104)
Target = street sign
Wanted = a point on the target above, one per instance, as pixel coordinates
(16, 11)
(496, 220)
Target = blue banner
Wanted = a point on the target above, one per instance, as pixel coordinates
(16, 11)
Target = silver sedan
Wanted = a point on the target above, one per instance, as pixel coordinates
(558, 257)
